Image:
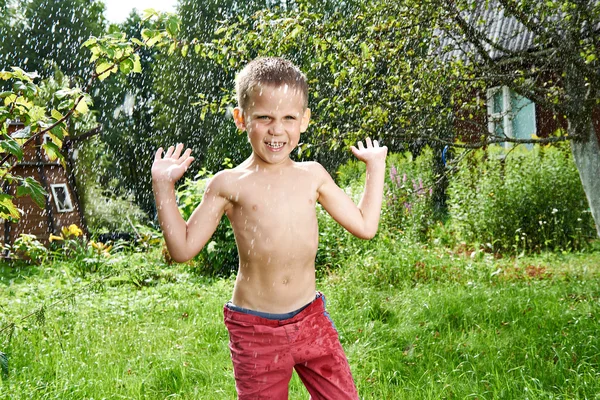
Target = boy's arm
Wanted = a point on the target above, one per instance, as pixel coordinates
(184, 239)
(361, 221)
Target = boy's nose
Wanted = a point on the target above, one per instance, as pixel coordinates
(276, 129)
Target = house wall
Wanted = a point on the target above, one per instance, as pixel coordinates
(547, 123)
(37, 221)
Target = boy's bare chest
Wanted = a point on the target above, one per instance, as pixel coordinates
(274, 198)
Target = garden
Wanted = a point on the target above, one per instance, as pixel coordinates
(483, 280)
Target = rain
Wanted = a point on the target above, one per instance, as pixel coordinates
(443, 195)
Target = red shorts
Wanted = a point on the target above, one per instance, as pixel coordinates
(265, 351)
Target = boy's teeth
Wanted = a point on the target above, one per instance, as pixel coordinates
(275, 145)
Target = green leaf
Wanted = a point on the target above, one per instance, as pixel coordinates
(137, 65)
(6, 75)
(364, 47)
(52, 151)
(103, 70)
(147, 34)
(173, 26)
(18, 73)
(295, 32)
(90, 41)
(56, 115)
(149, 13)
(36, 113)
(126, 66)
(57, 134)
(137, 41)
(30, 187)
(82, 107)
(153, 40)
(12, 146)
(65, 105)
(184, 50)
(7, 207)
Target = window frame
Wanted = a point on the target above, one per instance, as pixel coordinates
(505, 115)
(68, 201)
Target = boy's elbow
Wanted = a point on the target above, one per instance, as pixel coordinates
(179, 259)
(178, 256)
(366, 234)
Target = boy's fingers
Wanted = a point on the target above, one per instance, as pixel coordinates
(169, 152)
(185, 155)
(187, 162)
(375, 143)
(158, 154)
(360, 145)
(369, 143)
(177, 152)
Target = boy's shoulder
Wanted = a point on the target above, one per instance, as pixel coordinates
(234, 176)
(311, 166)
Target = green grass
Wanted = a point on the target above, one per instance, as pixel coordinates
(416, 322)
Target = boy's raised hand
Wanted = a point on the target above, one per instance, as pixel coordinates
(370, 153)
(173, 165)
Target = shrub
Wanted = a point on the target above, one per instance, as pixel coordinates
(519, 200)
(219, 256)
(408, 194)
(27, 246)
(109, 213)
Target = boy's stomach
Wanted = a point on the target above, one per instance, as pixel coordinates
(278, 286)
(277, 263)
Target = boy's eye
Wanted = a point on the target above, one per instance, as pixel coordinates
(290, 117)
(262, 117)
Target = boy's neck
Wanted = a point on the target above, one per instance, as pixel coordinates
(255, 162)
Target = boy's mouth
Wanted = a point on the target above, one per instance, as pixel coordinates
(275, 145)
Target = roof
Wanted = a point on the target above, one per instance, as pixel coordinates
(488, 19)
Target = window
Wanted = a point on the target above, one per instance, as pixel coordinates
(62, 199)
(510, 114)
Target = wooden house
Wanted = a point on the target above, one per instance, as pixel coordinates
(507, 113)
(62, 207)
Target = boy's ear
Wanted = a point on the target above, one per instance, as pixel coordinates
(305, 120)
(238, 117)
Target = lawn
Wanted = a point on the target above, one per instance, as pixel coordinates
(417, 322)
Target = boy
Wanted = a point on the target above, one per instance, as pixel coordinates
(276, 320)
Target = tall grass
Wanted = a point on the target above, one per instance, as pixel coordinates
(417, 322)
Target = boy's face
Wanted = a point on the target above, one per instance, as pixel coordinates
(274, 119)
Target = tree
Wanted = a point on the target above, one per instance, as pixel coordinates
(185, 81)
(558, 69)
(415, 71)
(46, 107)
(126, 113)
(50, 34)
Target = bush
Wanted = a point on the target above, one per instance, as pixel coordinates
(408, 194)
(519, 200)
(219, 256)
(108, 213)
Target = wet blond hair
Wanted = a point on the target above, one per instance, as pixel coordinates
(271, 71)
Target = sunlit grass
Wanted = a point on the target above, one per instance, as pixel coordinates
(416, 323)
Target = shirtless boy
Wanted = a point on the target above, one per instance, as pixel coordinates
(276, 319)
